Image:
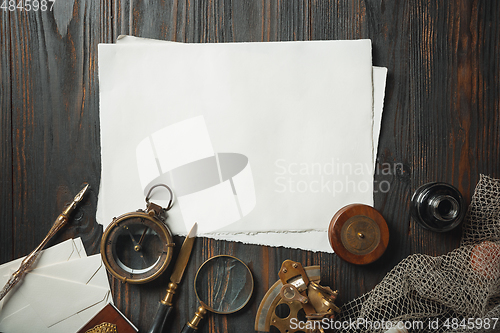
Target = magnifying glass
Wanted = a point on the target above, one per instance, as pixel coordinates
(223, 285)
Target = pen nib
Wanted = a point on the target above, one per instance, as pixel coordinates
(80, 194)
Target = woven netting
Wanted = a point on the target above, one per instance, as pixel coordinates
(456, 292)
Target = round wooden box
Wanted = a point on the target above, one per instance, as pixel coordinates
(358, 234)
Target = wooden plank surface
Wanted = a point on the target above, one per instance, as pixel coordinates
(441, 121)
(6, 159)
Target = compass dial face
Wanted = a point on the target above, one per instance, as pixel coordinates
(136, 247)
(360, 235)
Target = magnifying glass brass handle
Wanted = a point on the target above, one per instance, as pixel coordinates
(192, 325)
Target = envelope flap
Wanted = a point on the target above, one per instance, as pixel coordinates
(16, 322)
(57, 299)
(80, 271)
(79, 247)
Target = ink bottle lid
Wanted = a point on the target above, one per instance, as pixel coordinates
(437, 206)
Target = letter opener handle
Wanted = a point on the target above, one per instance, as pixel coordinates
(60, 222)
(165, 306)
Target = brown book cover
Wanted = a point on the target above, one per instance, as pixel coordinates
(109, 317)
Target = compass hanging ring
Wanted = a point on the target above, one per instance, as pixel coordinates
(171, 200)
(137, 247)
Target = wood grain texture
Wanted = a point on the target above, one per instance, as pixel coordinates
(441, 121)
(54, 120)
(6, 161)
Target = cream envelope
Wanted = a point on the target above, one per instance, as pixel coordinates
(17, 322)
(58, 297)
(68, 250)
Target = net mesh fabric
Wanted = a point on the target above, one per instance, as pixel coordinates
(426, 293)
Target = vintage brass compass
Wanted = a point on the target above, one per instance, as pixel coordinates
(137, 247)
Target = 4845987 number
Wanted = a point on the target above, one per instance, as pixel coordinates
(471, 323)
(27, 5)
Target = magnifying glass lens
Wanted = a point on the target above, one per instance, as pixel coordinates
(224, 284)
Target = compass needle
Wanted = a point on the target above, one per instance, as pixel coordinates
(131, 236)
(142, 236)
(145, 263)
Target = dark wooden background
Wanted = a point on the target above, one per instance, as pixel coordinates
(441, 120)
